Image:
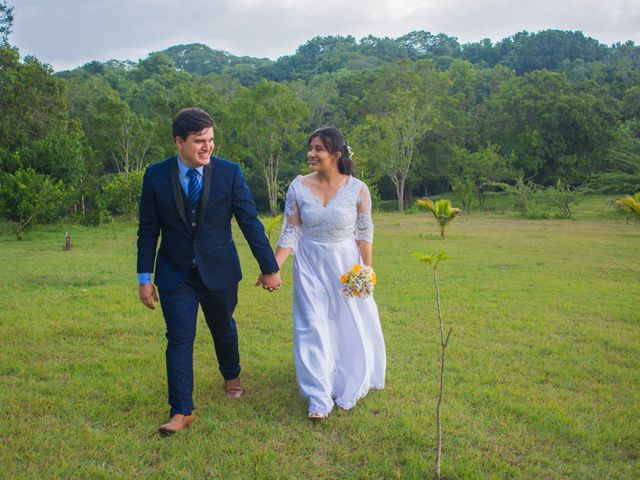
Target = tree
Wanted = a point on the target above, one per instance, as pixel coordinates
(120, 138)
(121, 195)
(28, 197)
(552, 128)
(482, 168)
(433, 260)
(6, 22)
(199, 58)
(526, 52)
(60, 153)
(32, 100)
(423, 44)
(442, 211)
(621, 166)
(267, 120)
(391, 140)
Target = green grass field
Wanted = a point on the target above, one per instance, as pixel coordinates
(542, 380)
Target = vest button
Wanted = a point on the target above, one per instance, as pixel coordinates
(193, 224)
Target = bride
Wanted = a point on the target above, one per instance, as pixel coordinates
(338, 346)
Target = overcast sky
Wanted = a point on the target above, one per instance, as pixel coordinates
(69, 33)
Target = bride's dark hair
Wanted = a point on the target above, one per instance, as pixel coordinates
(334, 142)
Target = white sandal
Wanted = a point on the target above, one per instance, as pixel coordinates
(317, 416)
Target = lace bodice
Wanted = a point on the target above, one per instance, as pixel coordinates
(347, 214)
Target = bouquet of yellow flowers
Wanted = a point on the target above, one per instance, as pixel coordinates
(358, 282)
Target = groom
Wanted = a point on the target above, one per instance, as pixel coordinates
(189, 199)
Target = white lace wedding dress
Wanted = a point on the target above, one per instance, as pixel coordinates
(338, 346)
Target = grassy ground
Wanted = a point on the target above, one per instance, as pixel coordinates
(543, 373)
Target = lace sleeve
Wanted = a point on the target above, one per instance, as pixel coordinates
(291, 228)
(364, 225)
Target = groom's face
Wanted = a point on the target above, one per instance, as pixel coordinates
(196, 150)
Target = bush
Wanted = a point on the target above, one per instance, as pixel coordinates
(466, 190)
(121, 195)
(28, 198)
(563, 197)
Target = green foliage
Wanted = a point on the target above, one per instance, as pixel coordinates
(466, 190)
(524, 190)
(270, 224)
(546, 50)
(631, 205)
(423, 112)
(622, 163)
(6, 21)
(563, 197)
(267, 119)
(442, 211)
(482, 168)
(31, 99)
(60, 153)
(121, 195)
(433, 260)
(552, 128)
(28, 198)
(406, 110)
(200, 59)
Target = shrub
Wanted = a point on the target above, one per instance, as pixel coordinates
(28, 198)
(121, 195)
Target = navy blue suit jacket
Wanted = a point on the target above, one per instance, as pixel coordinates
(162, 211)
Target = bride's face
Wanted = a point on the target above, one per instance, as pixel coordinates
(319, 158)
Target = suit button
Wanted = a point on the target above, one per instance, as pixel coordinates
(193, 224)
(193, 212)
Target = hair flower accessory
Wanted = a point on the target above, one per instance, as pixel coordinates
(349, 151)
(358, 282)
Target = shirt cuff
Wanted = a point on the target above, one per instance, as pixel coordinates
(144, 278)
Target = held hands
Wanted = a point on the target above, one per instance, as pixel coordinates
(269, 282)
(148, 295)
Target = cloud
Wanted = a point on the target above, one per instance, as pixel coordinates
(68, 33)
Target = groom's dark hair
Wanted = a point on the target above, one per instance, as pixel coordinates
(191, 120)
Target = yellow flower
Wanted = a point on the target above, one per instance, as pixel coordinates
(344, 278)
(355, 268)
(357, 293)
(374, 278)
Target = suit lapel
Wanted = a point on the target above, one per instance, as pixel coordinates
(177, 191)
(206, 188)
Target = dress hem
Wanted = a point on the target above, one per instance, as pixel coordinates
(350, 405)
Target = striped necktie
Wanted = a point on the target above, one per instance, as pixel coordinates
(194, 186)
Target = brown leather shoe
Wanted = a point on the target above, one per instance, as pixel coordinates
(176, 423)
(233, 389)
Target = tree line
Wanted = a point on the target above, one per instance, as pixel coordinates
(423, 114)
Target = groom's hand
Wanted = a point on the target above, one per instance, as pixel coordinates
(148, 295)
(269, 282)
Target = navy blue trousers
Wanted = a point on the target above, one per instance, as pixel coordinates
(180, 310)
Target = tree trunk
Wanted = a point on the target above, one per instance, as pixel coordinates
(443, 344)
(273, 200)
(400, 194)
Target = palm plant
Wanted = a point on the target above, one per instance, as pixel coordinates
(270, 224)
(631, 205)
(442, 211)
